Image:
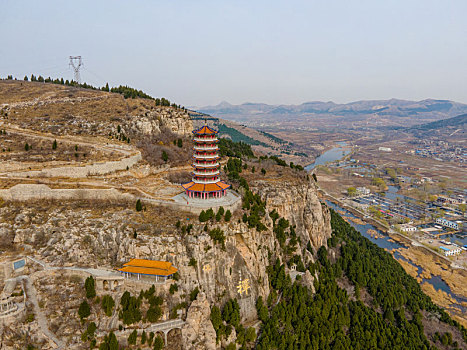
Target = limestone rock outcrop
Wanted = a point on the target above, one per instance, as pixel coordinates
(298, 203)
(198, 332)
(177, 121)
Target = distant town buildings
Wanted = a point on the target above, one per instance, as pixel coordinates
(363, 191)
(450, 199)
(426, 179)
(439, 150)
(404, 179)
(450, 251)
(407, 228)
(447, 223)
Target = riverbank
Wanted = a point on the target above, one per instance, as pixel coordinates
(447, 286)
(330, 154)
(379, 225)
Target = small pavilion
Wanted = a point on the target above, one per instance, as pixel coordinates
(205, 182)
(148, 270)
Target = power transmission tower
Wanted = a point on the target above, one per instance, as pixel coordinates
(76, 63)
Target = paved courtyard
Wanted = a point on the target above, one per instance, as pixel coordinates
(229, 199)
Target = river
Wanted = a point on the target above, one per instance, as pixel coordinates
(331, 155)
(383, 241)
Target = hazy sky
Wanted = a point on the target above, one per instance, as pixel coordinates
(280, 52)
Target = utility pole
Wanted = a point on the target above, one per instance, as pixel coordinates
(76, 63)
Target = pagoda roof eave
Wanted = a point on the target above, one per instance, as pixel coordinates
(197, 187)
(204, 130)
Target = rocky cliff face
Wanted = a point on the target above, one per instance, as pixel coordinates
(198, 332)
(74, 235)
(151, 122)
(298, 203)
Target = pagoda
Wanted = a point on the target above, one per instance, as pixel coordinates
(205, 182)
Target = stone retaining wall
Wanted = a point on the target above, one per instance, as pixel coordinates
(196, 209)
(26, 192)
(13, 317)
(81, 171)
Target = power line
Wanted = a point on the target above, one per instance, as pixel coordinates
(103, 80)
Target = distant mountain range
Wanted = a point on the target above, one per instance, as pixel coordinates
(360, 113)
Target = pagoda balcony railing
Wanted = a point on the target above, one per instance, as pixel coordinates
(209, 148)
(210, 181)
(205, 165)
(206, 139)
(206, 156)
(202, 173)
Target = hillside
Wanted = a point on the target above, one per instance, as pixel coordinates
(90, 180)
(459, 121)
(267, 143)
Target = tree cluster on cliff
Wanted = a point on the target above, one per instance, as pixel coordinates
(234, 149)
(333, 319)
(227, 320)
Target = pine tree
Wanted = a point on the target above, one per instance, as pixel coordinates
(192, 262)
(194, 294)
(132, 337)
(139, 206)
(54, 145)
(262, 310)
(108, 304)
(165, 157)
(231, 346)
(158, 343)
(90, 287)
(202, 216)
(84, 310)
(112, 342)
(216, 317)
